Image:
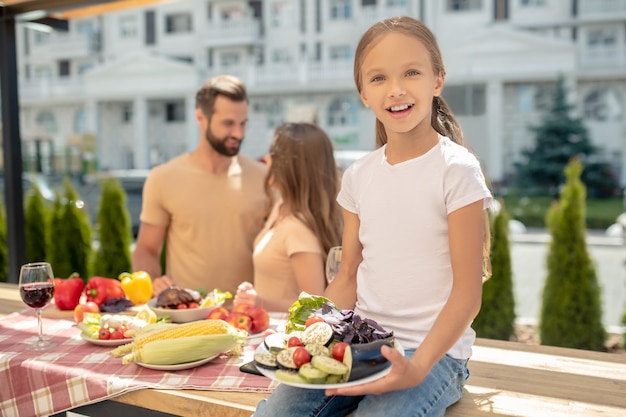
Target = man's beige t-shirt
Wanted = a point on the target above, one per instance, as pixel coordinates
(212, 220)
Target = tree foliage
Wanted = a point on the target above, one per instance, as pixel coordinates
(114, 229)
(69, 244)
(35, 225)
(558, 138)
(496, 319)
(571, 311)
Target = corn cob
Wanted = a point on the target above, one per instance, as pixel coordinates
(183, 349)
(148, 329)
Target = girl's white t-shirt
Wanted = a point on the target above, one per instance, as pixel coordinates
(405, 277)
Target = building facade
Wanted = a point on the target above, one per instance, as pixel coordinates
(119, 88)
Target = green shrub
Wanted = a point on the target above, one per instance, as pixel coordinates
(496, 319)
(35, 225)
(69, 245)
(571, 311)
(114, 229)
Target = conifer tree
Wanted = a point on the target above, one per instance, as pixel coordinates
(55, 251)
(496, 319)
(558, 138)
(36, 225)
(571, 311)
(4, 251)
(71, 234)
(114, 229)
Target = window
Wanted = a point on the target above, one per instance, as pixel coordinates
(342, 112)
(150, 27)
(318, 51)
(341, 53)
(229, 59)
(464, 5)
(64, 68)
(80, 121)
(282, 14)
(281, 56)
(84, 67)
(366, 3)
(128, 27)
(231, 13)
(397, 3)
(604, 104)
(340, 9)
(274, 114)
(177, 23)
(47, 122)
(127, 113)
(531, 3)
(175, 111)
(602, 38)
(466, 100)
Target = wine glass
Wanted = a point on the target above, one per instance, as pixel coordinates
(37, 289)
(333, 261)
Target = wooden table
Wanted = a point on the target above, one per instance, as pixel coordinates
(508, 379)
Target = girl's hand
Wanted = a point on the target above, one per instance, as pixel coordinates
(404, 374)
(246, 294)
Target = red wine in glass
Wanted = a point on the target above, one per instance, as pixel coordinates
(37, 290)
(37, 295)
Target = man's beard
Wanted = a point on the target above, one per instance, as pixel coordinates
(219, 145)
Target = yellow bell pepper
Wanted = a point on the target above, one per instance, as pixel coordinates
(137, 286)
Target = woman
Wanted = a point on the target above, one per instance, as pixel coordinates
(305, 221)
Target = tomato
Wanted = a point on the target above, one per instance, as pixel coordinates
(313, 319)
(104, 334)
(193, 304)
(81, 309)
(181, 306)
(294, 341)
(339, 350)
(301, 356)
(116, 335)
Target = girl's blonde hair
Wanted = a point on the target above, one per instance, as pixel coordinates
(303, 169)
(441, 118)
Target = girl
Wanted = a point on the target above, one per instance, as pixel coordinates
(290, 252)
(414, 235)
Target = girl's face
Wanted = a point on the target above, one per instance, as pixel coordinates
(399, 83)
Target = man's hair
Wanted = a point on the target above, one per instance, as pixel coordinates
(221, 85)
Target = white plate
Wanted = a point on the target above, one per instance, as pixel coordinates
(178, 367)
(106, 342)
(272, 374)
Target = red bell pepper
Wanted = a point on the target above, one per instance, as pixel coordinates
(98, 289)
(67, 291)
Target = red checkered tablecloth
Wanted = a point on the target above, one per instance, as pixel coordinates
(76, 373)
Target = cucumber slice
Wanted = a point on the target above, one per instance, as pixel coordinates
(311, 374)
(265, 360)
(289, 376)
(329, 365)
(334, 379)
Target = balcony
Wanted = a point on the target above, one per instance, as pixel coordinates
(607, 61)
(231, 33)
(594, 7)
(46, 88)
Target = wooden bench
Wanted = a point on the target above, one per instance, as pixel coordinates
(507, 379)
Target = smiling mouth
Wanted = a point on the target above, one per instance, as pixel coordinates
(399, 107)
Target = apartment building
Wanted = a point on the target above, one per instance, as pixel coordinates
(119, 88)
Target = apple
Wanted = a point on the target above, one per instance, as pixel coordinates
(239, 320)
(242, 308)
(218, 313)
(260, 318)
(82, 308)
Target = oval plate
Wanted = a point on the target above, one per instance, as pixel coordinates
(178, 367)
(272, 374)
(108, 342)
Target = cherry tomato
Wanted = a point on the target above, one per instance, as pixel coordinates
(294, 341)
(116, 335)
(339, 350)
(193, 304)
(123, 329)
(104, 334)
(181, 306)
(313, 319)
(301, 356)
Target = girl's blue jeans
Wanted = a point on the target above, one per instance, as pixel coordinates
(441, 388)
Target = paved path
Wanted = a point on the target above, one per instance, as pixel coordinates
(528, 257)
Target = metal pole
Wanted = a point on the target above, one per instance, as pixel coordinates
(12, 149)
